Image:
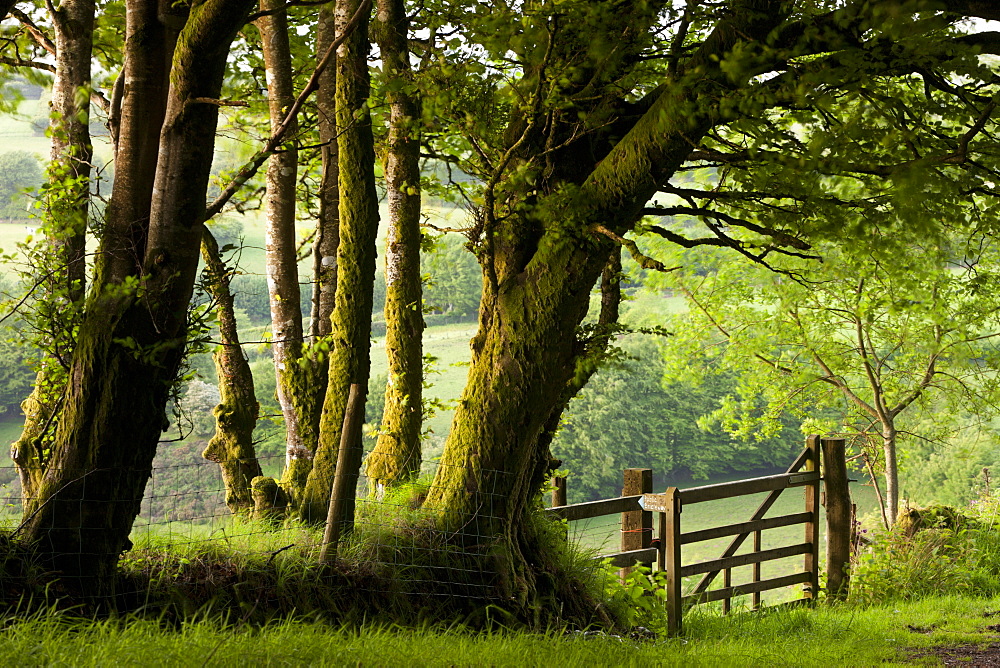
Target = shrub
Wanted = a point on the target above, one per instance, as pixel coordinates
(929, 552)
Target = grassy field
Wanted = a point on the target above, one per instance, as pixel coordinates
(895, 635)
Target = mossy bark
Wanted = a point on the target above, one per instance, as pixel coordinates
(236, 414)
(31, 451)
(359, 217)
(541, 257)
(131, 339)
(396, 456)
(269, 499)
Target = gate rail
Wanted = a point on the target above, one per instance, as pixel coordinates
(638, 508)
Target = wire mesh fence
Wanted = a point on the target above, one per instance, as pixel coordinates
(185, 536)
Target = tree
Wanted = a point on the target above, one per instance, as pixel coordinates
(21, 171)
(232, 446)
(601, 109)
(131, 335)
(629, 415)
(396, 457)
(351, 319)
(874, 339)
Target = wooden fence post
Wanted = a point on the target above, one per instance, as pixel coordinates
(558, 491)
(670, 557)
(812, 526)
(637, 525)
(838, 518)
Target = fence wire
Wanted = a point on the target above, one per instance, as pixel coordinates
(184, 531)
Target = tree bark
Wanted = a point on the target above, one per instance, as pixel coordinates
(236, 415)
(72, 152)
(359, 217)
(67, 205)
(132, 337)
(889, 435)
(396, 456)
(280, 242)
(328, 225)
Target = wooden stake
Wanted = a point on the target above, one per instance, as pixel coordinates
(812, 527)
(340, 515)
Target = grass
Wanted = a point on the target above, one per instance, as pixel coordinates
(840, 636)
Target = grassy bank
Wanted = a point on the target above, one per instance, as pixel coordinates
(843, 636)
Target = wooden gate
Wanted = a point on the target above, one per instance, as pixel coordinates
(804, 472)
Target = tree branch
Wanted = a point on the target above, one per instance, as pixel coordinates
(248, 170)
(641, 259)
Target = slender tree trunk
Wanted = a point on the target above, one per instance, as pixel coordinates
(397, 452)
(130, 343)
(328, 225)
(72, 152)
(351, 319)
(282, 268)
(889, 436)
(236, 415)
(66, 209)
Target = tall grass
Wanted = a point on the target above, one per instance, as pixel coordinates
(840, 636)
(958, 552)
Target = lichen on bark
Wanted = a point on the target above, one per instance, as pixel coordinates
(396, 457)
(236, 414)
(359, 217)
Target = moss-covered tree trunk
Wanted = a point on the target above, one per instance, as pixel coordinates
(359, 217)
(236, 414)
(542, 253)
(396, 456)
(133, 332)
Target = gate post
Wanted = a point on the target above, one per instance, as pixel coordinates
(670, 557)
(838, 518)
(812, 526)
(637, 525)
(558, 491)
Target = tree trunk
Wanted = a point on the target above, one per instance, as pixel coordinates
(72, 152)
(889, 435)
(351, 319)
(67, 204)
(282, 268)
(130, 342)
(397, 452)
(541, 257)
(328, 225)
(236, 415)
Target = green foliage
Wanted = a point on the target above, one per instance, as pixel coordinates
(454, 282)
(949, 468)
(629, 416)
(250, 295)
(19, 171)
(897, 566)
